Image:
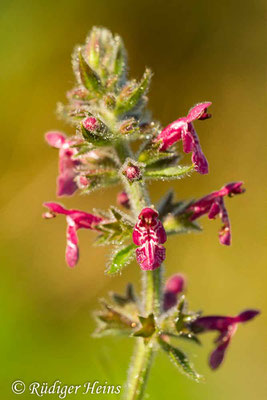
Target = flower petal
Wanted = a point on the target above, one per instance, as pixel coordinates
(56, 208)
(197, 111)
(217, 356)
(150, 256)
(55, 139)
(66, 185)
(72, 250)
(247, 315)
(200, 161)
(214, 210)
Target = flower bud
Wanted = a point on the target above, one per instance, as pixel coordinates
(132, 172)
(123, 200)
(90, 124)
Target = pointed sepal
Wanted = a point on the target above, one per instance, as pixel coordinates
(148, 327)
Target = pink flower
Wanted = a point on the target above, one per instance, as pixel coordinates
(183, 129)
(75, 220)
(149, 234)
(66, 184)
(174, 286)
(226, 326)
(213, 205)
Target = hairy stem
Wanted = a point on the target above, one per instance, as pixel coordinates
(139, 370)
(152, 288)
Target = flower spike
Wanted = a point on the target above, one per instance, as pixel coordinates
(76, 220)
(149, 235)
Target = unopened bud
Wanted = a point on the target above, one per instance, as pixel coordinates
(128, 126)
(123, 200)
(132, 172)
(90, 124)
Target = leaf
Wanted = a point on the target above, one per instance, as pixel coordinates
(163, 162)
(116, 231)
(121, 258)
(132, 94)
(176, 172)
(105, 330)
(180, 223)
(100, 178)
(88, 76)
(148, 326)
(92, 50)
(120, 60)
(96, 138)
(183, 335)
(152, 156)
(189, 336)
(180, 360)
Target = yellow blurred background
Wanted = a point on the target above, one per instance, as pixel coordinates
(199, 50)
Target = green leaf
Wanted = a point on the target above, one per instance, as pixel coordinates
(180, 360)
(176, 172)
(121, 258)
(104, 331)
(89, 77)
(189, 336)
(100, 178)
(93, 48)
(95, 138)
(148, 326)
(120, 60)
(180, 223)
(132, 94)
(116, 231)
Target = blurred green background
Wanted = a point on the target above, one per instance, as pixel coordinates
(199, 50)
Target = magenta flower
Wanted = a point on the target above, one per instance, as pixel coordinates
(226, 326)
(149, 234)
(213, 205)
(66, 184)
(183, 129)
(76, 220)
(174, 286)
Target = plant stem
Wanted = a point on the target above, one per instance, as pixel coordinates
(152, 290)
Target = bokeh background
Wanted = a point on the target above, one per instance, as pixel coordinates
(199, 50)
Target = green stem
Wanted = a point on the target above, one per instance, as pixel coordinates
(152, 288)
(139, 370)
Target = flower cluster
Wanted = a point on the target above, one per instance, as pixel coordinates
(108, 112)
